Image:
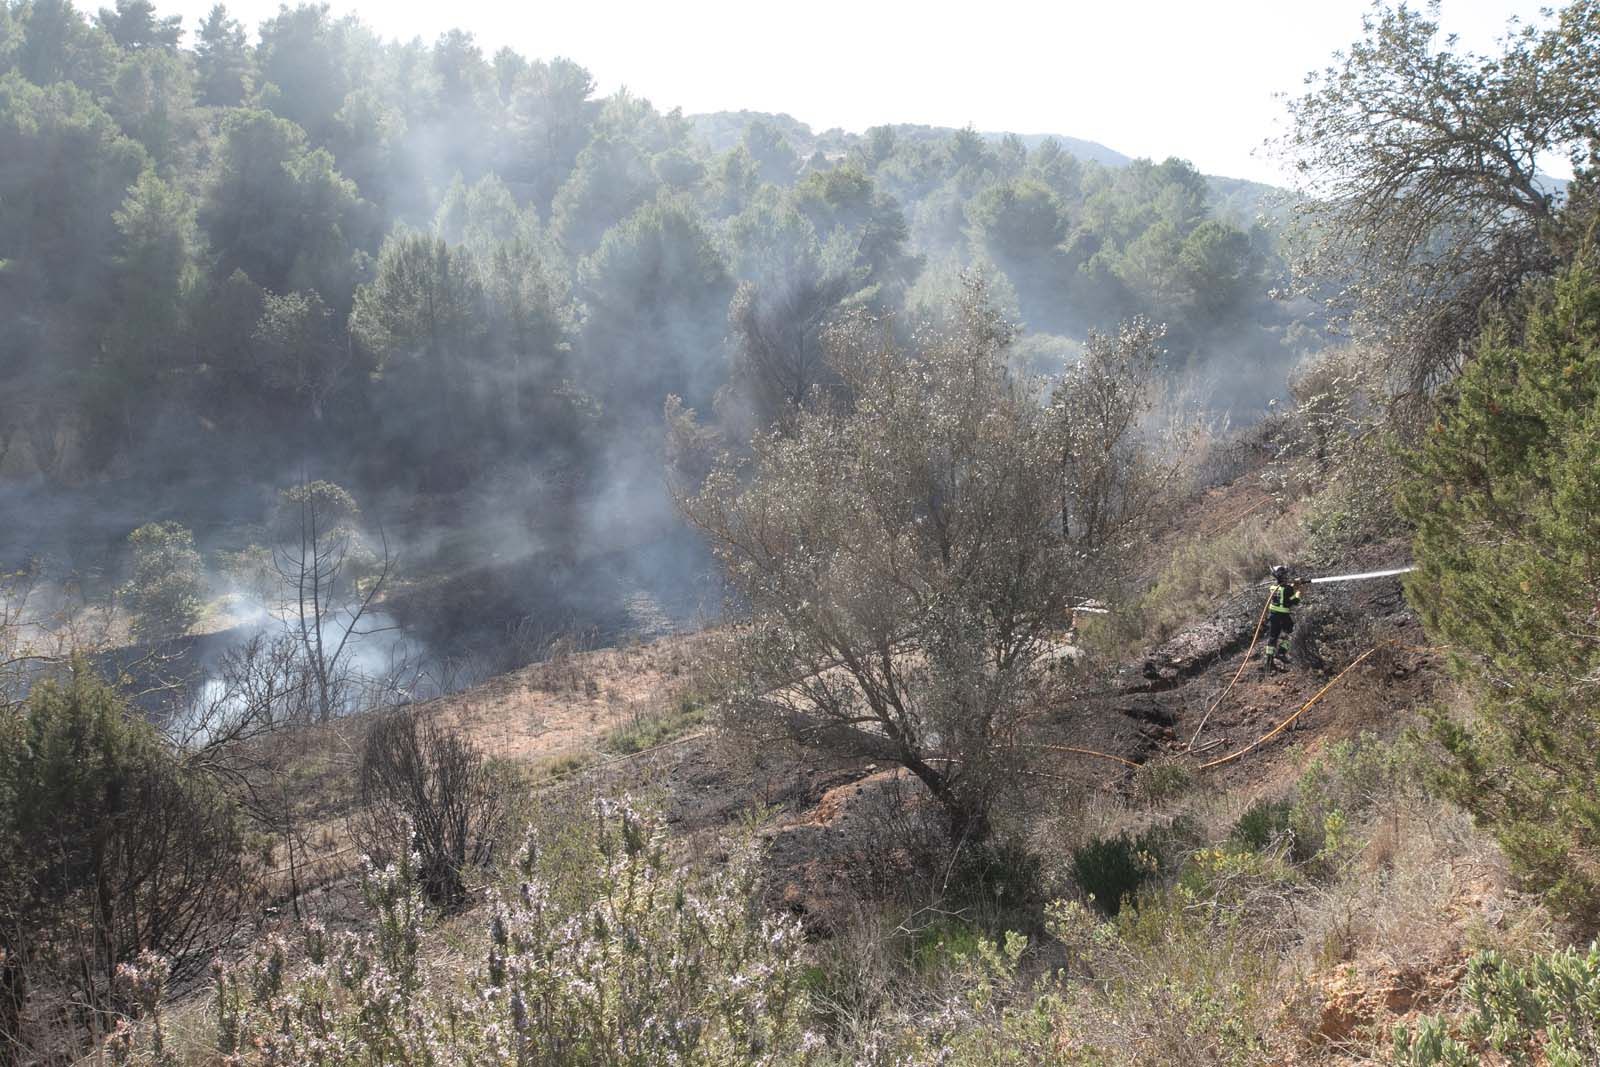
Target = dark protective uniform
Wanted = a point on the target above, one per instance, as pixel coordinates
(1280, 621)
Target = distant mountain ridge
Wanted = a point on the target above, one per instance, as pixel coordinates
(723, 130)
(1077, 146)
(1239, 200)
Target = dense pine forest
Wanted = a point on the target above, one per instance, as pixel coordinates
(463, 286)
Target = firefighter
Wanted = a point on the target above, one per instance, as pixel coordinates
(1284, 599)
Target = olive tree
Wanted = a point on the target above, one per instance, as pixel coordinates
(900, 560)
(1112, 481)
(1419, 172)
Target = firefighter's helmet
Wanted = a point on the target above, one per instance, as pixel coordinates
(1281, 573)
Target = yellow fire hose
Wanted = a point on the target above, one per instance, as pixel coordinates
(1284, 725)
(1236, 675)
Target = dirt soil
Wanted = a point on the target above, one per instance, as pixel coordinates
(1335, 625)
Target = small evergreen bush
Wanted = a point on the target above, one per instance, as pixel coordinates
(1114, 869)
(1161, 780)
(1263, 824)
(1000, 872)
(1505, 492)
(1110, 870)
(945, 941)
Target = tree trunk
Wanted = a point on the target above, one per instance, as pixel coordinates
(13, 994)
(969, 820)
(969, 823)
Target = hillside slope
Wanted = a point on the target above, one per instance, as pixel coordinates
(1314, 950)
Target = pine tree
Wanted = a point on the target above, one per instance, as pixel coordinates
(222, 56)
(1506, 498)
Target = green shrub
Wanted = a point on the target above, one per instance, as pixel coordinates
(1171, 841)
(1110, 870)
(993, 876)
(1346, 782)
(110, 844)
(1235, 879)
(989, 1018)
(1166, 989)
(1113, 869)
(1341, 451)
(1429, 1044)
(938, 945)
(1505, 492)
(1547, 1012)
(1161, 780)
(1263, 824)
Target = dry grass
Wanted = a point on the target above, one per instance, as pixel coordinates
(567, 705)
(1201, 573)
(545, 722)
(647, 728)
(1292, 962)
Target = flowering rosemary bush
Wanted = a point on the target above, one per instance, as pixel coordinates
(661, 966)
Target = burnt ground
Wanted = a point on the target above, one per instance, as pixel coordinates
(826, 823)
(1334, 626)
(824, 820)
(822, 817)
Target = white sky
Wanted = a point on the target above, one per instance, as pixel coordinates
(1190, 78)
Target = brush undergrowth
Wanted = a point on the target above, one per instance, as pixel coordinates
(597, 948)
(645, 730)
(1200, 574)
(647, 963)
(1546, 1011)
